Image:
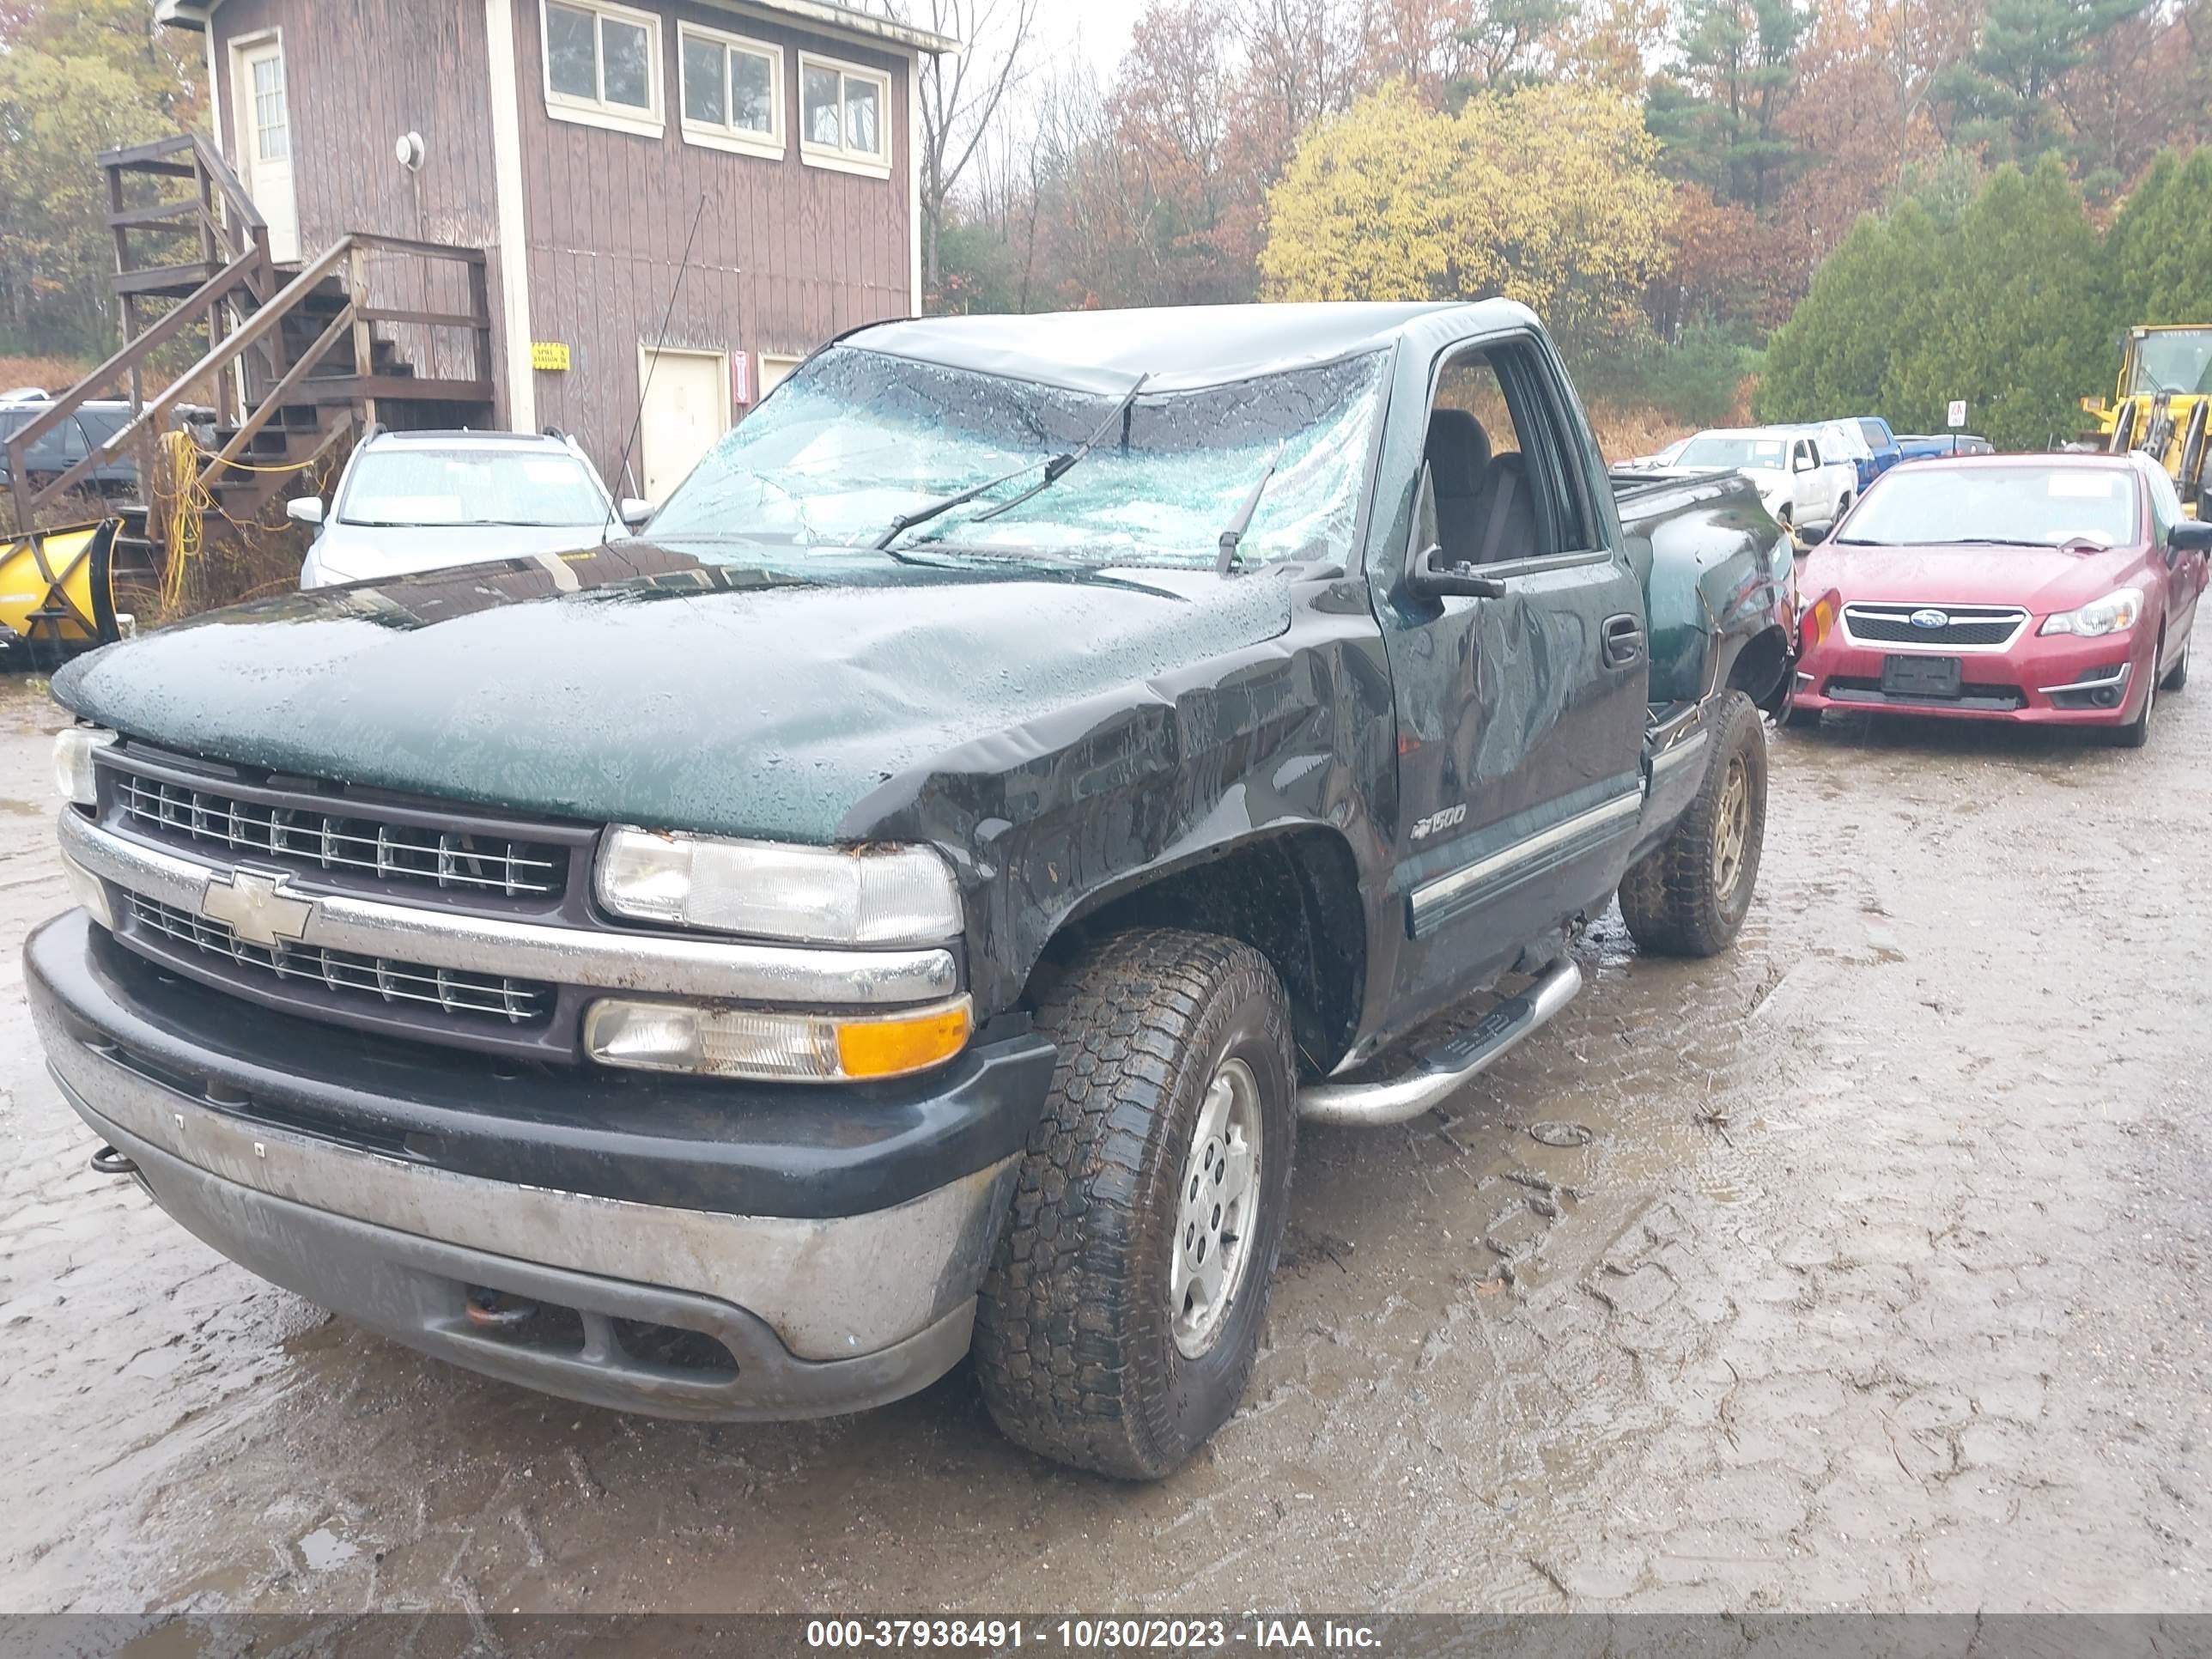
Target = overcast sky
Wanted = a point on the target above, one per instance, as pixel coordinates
(1100, 28)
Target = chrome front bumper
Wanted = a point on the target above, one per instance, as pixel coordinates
(820, 1315)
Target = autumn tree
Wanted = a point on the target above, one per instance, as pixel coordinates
(75, 79)
(2140, 85)
(1545, 194)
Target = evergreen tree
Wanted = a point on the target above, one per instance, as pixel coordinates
(1719, 121)
(2016, 322)
(2001, 95)
(2160, 248)
(1833, 354)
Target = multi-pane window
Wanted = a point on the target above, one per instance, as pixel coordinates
(844, 114)
(603, 64)
(732, 92)
(272, 133)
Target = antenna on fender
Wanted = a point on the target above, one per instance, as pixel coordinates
(660, 344)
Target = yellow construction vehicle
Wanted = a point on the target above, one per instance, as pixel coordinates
(2163, 402)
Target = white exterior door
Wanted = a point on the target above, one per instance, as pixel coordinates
(265, 141)
(686, 409)
(774, 372)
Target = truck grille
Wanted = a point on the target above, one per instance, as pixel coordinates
(358, 979)
(1969, 625)
(388, 846)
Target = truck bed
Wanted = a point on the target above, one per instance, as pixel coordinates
(1703, 542)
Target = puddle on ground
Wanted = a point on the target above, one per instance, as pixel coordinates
(322, 1549)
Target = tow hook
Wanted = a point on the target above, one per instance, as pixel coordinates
(490, 1309)
(109, 1162)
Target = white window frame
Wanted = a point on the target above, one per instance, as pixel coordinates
(837, 157)
(743, 140)
(597, 111)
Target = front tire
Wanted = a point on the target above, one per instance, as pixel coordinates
(2136, 732)
(1688, 896)
(1118, 1324)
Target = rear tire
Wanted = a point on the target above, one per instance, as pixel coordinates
(2178, 676)
(1100, 1341)
(1688, 896)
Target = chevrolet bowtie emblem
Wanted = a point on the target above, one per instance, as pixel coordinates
(256, 908)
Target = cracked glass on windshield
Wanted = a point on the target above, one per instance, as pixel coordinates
(859, 437)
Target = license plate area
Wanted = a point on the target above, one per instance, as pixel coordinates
(1920, 677)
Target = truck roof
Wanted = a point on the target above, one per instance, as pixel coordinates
(1180, 347)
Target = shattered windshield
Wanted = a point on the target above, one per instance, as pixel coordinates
(860, 438)
(2172, 360)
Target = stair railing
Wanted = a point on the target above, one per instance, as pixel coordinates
(354, 318)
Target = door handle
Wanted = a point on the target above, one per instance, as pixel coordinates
(1624, 640)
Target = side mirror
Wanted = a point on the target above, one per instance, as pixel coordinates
(2190, 536)
(1801, 462)
(1435, 579)
(1814, 533)
(1427, 573)
(304, 509)
(634, 511)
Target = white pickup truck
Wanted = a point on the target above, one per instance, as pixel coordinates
(1792, 467)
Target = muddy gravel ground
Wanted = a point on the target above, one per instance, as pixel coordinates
(1864, 1266)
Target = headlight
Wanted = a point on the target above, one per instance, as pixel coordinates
(807, 894)
(747, 1042)
(2118, 610)
(73, 752)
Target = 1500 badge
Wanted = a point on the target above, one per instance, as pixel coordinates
(1448, 818)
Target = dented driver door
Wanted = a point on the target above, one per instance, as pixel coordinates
(1519, 716)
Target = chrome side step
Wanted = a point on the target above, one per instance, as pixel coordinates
(1444, 1067)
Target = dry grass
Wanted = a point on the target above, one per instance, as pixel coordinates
(1623, 432)
(54, 374)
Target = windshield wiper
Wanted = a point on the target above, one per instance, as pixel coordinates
(1054, 467)
(1235, 533)
(906, 522)
(1057, 467)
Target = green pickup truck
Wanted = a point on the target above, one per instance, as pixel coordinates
(906, 899)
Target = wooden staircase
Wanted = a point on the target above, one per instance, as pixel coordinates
(293, 360)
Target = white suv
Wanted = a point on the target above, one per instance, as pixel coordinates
(420, 500)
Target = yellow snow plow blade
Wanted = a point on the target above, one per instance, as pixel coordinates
(56, 593)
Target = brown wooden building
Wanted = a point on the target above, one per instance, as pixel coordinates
(583, 145)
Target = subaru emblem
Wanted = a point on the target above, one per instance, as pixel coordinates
(1930, 618)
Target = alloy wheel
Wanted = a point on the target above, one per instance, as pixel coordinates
(1214, 1221)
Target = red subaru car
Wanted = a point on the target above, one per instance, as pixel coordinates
(2055, 590)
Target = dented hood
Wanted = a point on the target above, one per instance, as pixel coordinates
(636, 683)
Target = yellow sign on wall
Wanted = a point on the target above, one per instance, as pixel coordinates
(548, 354)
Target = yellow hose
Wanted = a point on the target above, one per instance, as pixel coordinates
(190, 501)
